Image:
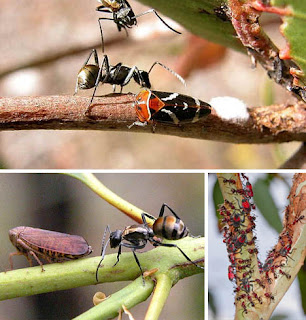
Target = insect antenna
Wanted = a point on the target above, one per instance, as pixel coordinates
(159, 17)
(103, 249)
(170, 70)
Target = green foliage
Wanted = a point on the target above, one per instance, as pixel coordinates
(266, 204)
(294, 30)
(199, 18)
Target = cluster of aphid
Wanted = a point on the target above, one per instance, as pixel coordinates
(238, 232)
(150, 106)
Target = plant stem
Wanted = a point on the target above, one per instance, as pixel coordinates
(100, 189)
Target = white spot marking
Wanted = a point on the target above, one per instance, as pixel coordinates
(197, 101)
(172, 115)
(229, 108)
(171, 97)
(185, 105)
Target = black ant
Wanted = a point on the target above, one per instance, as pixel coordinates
(136, 236)
(91, 74)
(123, 15)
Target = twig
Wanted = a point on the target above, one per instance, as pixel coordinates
(279, 123)
(298, 160)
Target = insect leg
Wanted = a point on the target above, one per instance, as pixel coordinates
(30, 252)
(138, 263)
(157, 243)
(130, 75)
(18, 253)
(159, 17)
(103, 249)
(134, 248)
(105, 61)
(170, 70)
(162, 209)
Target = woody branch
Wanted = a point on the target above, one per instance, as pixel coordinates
(270, 124)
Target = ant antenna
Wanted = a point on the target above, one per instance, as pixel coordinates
(159, 17)
(103, 249)
(170, 70)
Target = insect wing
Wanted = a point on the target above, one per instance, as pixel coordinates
(62, 243)
(178, 108)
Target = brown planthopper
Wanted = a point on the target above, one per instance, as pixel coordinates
(49, 245)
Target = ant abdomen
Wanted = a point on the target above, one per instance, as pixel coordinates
(87, 76)
(169, 227)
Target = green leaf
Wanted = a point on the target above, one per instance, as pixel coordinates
(198, 16)
(294, 30)
(217, 197)
(266, 204)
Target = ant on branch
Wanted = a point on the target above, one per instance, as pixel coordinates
(90, 75)
(136, 236)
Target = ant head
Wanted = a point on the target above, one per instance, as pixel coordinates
(115, 238)
(142, 78)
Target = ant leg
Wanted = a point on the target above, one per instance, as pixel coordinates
(118, 254)
(157, 243)
(103, 249)
(138, 263)
(144, 215)
(129, 76)
(162, 209)
(159, 17)
(105, 61)
(170, 70)
(101, 33)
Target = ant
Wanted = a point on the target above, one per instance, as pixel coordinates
(136, 236)
(91, 74)
(123, 15)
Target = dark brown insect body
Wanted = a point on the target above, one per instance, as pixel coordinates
(49, 245)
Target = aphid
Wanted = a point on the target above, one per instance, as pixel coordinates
(244, 308)
(229, 181)
(231, 274)
(287, 275)
(242, 296)
(257, 297)
(90, 75)
(245, 284)
(297, 220)
(238, 191)
(236, 220)
(260, 283)
(269, 295)
(166, 107)
(249, 191)
(123, 15)
(251, 251)
(251, 301)
(230, 204)
(49, 245)
(136, 236)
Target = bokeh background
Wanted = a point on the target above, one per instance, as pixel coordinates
(45, 43)
(61, 203)
(220, 288)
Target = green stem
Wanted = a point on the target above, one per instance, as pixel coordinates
(129, 296)
(72, 274)
(101, 190)
(162, 290)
